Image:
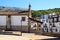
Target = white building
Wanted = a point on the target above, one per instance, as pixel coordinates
(15, 20)
(55, 23)
(45, 20)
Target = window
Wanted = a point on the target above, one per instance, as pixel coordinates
(50, 20)
(43, 20)
(43, 17)
(50, 24)
(39, 25)
(46, 20)
(59, 19)
(55, 19)
(54, 25)
(35, 25)
(23, 18)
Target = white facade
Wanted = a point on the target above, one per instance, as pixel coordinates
(15, 21)
(56, 27)
(45, 19)
(3, 20)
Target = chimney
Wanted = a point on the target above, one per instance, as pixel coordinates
(30, 11)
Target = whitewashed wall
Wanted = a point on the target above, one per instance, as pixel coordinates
(58, 26)
(3, 20)
(16, 21)
(52, 13)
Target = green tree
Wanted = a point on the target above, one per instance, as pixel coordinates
(37, 13)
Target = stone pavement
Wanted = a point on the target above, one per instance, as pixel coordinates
(25, 36)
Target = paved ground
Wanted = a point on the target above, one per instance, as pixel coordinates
(25, 36)
(50, 39)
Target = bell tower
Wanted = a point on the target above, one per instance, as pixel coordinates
(30, 11)
(29, 15)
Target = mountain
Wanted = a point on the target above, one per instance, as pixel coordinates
(2, 8)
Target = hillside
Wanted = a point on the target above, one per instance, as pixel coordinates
(37, 13)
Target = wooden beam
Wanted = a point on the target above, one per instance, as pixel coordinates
(13, 13)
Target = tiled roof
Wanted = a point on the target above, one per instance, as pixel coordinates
(33, 19)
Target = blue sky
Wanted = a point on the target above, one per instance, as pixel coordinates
(36, 4)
